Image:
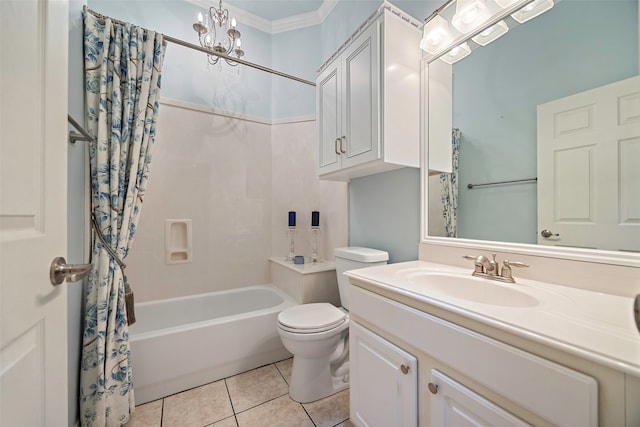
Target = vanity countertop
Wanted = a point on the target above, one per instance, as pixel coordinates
(592, 325)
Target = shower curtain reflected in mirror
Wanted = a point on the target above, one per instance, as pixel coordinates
(449, 188)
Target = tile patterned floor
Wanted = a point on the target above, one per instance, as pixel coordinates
(256, 398)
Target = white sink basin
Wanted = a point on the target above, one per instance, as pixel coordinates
(471, 289)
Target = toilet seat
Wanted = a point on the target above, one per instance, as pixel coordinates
(311, 318)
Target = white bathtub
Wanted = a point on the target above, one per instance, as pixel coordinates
(181, 343)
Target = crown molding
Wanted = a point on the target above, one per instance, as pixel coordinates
(304, 20)
(290, 23)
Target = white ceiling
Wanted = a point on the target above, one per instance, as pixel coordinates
(273, 10)
(274, 16)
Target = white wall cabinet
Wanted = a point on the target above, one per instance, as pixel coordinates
(384, 385)
(368, 100)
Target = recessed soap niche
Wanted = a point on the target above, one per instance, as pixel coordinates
(177, 241)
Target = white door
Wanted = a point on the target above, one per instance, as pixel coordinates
(33, 201)
(589, 168)
(384, 381)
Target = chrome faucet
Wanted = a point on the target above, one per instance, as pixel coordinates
(489, 268)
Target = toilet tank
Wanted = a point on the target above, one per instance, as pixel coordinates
(352, 258)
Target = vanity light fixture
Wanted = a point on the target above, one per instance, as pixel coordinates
(219, 34)
(528, 12)
(470, 14)
(532, 10)
(474, 20)
(436, 35)
(491, 33)
(457, 53)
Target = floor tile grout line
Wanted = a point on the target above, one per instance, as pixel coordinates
(162, 412)
(308, 415)
(280, 372)
(233, 409)
(262, 403)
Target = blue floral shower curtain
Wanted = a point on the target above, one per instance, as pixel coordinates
(449, 188)
(122, 76)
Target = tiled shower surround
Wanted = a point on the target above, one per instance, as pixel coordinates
(255, 398)
(236, 179)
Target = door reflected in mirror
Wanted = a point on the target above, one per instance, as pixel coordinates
(557, 99)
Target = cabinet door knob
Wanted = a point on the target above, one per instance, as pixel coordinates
(337, 147)
(342, 141)
(433, 388)
(404, 369)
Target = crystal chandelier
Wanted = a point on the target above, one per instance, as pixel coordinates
(219, 34)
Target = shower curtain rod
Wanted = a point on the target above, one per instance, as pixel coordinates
(210, 52)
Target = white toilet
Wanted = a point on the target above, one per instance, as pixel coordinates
(318, 334)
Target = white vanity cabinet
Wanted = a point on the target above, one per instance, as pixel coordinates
(466, 378)
(454, 405)
(384, 387)
(368, 100)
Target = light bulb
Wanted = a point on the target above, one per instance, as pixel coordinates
(491, 33)
(233, 22)
(457, 53)
(200, 17)
(238, 43)
(532, 10)
(470, 14)
(436, 36)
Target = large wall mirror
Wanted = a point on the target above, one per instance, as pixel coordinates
(547, 121)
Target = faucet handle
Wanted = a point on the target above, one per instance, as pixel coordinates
(478, 267)
(508, 263)
(506, 269)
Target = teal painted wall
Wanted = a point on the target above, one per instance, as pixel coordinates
(575, 46)
(384, 213)
(295, 53)
(186, 74)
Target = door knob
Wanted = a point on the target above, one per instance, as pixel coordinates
(404, 369)
(61, 271)
(547, 233)
(433, 388)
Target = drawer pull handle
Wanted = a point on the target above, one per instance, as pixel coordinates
(404, 369)
(433, 388)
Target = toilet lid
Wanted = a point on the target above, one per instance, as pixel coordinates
(317, 317)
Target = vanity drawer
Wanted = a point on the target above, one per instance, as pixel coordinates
(558, 394)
